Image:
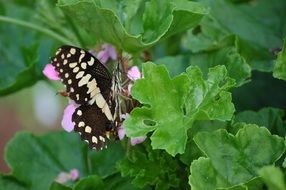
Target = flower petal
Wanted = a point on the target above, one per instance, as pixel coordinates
(107, 52)
(137, 140)
(67, 117)
(121, 132)
(111, 51)
(74, 173)
(62, 178)
(50, 72)
(134, 73)
(102, 56)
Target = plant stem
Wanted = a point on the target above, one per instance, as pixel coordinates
(36, 28)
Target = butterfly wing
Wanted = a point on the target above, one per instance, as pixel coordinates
(92, 125)
(85, 78)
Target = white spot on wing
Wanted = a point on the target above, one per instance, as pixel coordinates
(81, 56)
(107, 112)
(100, 101)
(92, 85)
(91, 61)
(94, 139)
(72, 65)
(81, 124)
(79, 112)
(94, 92)
(101, 138)
(59, 50)
(72, 50)
(83, 65)
(87, 129)
(84, 80)
(75, 70)
(65, 62)
(79, 74)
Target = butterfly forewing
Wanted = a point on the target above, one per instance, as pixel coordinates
(85, 78)
(92, 125)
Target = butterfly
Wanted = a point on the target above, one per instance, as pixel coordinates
(89, 84)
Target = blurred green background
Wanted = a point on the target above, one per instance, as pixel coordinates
(26, 49)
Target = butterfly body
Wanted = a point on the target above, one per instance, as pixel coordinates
(89, 84)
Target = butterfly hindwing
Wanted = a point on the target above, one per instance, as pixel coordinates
(92, 125)
(85, 78)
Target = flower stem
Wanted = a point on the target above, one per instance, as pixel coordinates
(36, 28)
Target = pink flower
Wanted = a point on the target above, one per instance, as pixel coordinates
(74, 174)
(107, 52)
(121, 133)
(63, 177)
(133, 73)
(67, 123)
(137, 140)
(50, 72)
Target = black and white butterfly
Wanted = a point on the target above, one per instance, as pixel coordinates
(89, 84)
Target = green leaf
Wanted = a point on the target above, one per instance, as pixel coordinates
(9, 182)
(184, 98)
(21, 61)
(93, 182)
(280, 64)
(112, 182)
(209, 99)
(155, 20)
(43, 158)
(59, 186)
(174, 64)
(230, 159)
(15, 76)
(150, 167)
(226, 54)
(272, 118)
(192, 151)
(259, 26)
(273, 177)
(103, 162)
(256, 94)
(209, 179)
(249, 21)
(117, 182)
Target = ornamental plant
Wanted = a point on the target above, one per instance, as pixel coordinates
(208, 78)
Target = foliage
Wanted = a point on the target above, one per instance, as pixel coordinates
(201, 109)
